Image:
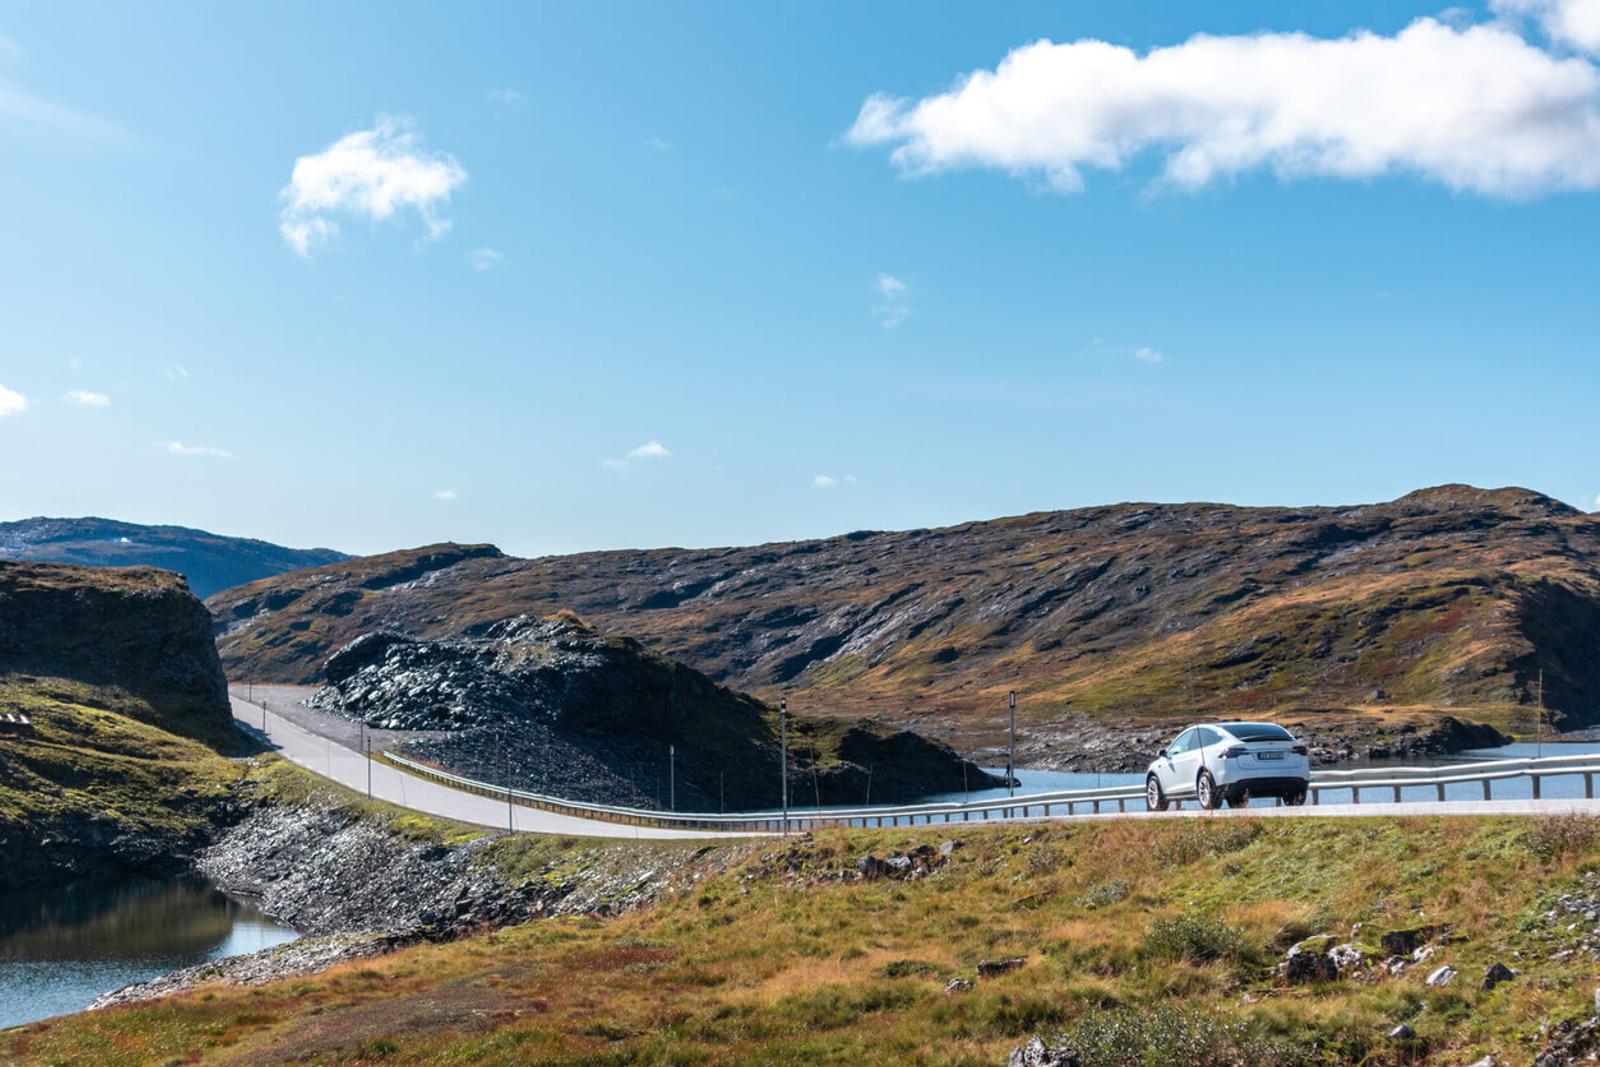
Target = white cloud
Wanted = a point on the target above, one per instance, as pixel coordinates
(85, 399)
(1597, 502)
(178, 373)
(445, 494)
(510, 99)
(369, 174)
(1148, 355)
(828, 481)
(648, 450)
(660, 144)
(11, 402)
(1476, 108)
(1574, 23)
(178, 448)
(894, 301)
(485, 258)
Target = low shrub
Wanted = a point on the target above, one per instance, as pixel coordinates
(1555, 837)
(1196, 938)
(1129, 1037)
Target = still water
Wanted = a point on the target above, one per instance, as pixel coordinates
(61, 947)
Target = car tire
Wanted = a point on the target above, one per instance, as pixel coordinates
(1239, 800)
(1295, 799)
(1206, 791)
(1154, 798)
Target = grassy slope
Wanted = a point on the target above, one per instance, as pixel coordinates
(776, 960)
(94, 755)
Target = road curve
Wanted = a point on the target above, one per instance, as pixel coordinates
(350, 768)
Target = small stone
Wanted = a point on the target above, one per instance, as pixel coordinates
(1497, 973)
(1441, 977)
(1402, 1033)
(1345, 957)
(949, 847)
(1037, 1054)
(958, 985)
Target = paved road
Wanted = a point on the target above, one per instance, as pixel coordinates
(334, 758)
(350, 768)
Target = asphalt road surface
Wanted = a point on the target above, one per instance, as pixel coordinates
(338, 758)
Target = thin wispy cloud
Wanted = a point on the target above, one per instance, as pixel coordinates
(178, 372)
(660, 144)
(485, 258)
(370, 174)
(828, 481)
(11, 402)
(445, 494)
(1148, 355)
(83, 398)
(178, 448)
(1477, 108)
(650, 450)
(509, 99)
(894, 301)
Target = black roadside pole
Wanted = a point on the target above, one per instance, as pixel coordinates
(783, 757)
(1011, 753)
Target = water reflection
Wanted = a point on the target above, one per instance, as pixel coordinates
(63, 946)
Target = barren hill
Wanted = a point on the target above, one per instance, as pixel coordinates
(1447, 600)
(209, 561)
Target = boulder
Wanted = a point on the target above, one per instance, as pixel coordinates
(996, 968)
(1406, 942)
(1037, 1054)
(1346, 958)
(870, 866)
(1300, 967)
(1497, 973)
(1441, 977)
(958, 985)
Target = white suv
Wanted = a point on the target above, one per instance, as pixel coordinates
(1230, 761)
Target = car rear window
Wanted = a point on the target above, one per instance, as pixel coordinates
(1257, 731)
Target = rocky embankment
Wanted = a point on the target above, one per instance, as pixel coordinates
(574, 712)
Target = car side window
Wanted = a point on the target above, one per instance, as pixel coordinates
(1208, 737)
(1184, 742)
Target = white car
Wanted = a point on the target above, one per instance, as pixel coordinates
(1230, 761)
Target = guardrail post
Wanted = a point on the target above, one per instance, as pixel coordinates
(1313, 793)
(1487, 795)
(1397, 794)
(1441, 792)
(1588, 785)
(1536, 781)
(1122, 804)
(1355, 794)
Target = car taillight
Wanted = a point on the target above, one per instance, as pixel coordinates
(1235, 752)
(1301, 750)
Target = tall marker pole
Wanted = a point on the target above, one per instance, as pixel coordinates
(783, 757)
(672, 777)
(1011, 756)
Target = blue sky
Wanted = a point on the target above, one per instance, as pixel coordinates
(673, 231)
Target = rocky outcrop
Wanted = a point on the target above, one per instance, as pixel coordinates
(566, 710)
(138, 630)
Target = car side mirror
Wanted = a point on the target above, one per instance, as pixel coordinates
(1162, 754)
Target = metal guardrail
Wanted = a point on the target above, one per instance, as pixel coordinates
(1032, 805)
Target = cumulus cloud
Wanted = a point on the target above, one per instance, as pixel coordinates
(85, 399)
(1475, 107)
(828, 481)
(894, 301)
(648, 450)
(445, 494)
(1573, 23)
(11, 402)
(1148, 355)
(178, 448)
(369, 174)
(485, 258)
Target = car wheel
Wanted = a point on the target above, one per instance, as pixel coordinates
(1241, 800)
(1154, 799)
(1295, 799)
(1205, 790)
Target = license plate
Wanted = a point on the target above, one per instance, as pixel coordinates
(1269, 755)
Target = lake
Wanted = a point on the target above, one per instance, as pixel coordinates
(61, 947)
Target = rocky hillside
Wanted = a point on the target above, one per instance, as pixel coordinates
(118, 770)
(1448, 598)
(209, 561)
(564, 709)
